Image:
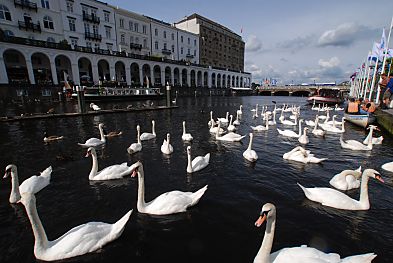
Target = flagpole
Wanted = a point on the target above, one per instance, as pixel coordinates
(365, 77)
(384, 60)
(373, 81)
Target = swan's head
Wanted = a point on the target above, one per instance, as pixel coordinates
(101, 125)
(168, 136)
(11, 168)
(268, 210)
(135, 167)
(373, 127)
(374, 174)
(90, 151)
(188, 149)
(138, 128)
(153, 122)
(91, 105)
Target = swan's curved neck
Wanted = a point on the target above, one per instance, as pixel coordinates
(218, 130)
(250, 144)
(141, 189)
(369, 135)
(263, 255)
(94, 167)
(300, 128)
(139, 136)
(184, 128)
(189, 165)
(365, 203)
(15, 193)
(153, 128)
(211, 115)
(41, 240)
(102, 134)
(230, 123)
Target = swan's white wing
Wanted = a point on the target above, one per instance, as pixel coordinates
(388, 166)
(338, 181)
(303, 254)
(169, 203)
(92, 142)
(200, 162)
(135, 147)
(34, 184)
(116, 171)
(364, 258)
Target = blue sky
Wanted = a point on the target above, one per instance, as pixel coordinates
(293, 41)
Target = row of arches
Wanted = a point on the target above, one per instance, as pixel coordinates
(42, 69)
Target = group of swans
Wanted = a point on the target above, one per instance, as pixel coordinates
(295, 254)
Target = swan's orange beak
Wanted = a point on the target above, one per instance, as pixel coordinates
(379, 178)
(87, 154)
(7, 173)
(134, 173)
(260, 220)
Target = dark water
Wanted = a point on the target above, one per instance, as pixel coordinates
(221, 227)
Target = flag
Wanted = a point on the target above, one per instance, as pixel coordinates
(66, 84)
(383, 40)
(241, 30)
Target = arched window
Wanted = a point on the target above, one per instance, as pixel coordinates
(122, 39)
(9, 33)
(51, 40)
(5, 13)
(48, 22)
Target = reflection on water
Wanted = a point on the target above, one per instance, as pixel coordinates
(220, 228)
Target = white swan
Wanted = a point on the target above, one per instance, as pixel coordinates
(33, 184)
(116, 171)
(78, 241)
(166, 203)
(316, 131)
(229, 137)
(333, 128)
(336, 199)
(250, 154)
(299, 154)
(240, 111)
(303, 139)
(347, 179)
(136, 146)
(186, 136)
(93, 142)
(337, 108)
(231, 127)
(288, 122)
(224, 120)
(301, 254)
(147, 135)
(289, 133)
(273, 121)
(324, 117)
(237, 122)
(355, 145)
(94, 107)
(166, 146)
(198, 163)
(388, 167)
(255, 115)
(374, 140)
(261, 127)
(51, 138)
(311, 123)
(211, 120)
(214, 130)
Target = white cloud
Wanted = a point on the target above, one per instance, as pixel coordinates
(253, 44)
(333, 62)
(344, 35)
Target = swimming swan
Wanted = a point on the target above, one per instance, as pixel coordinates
(33, 184)
(166, 146)
(136, 146)
(231, 127)
(302, 254)
(78, 241)
(336, 199)
(374, 140)
(147, 135)
(198, 163)
(355, 145)
(166, 203)
(93, 142)
(347, 179)
(116, 171)
(229, 137)
(299, 154)
(289, 133)
(186, 136)
(250, 154)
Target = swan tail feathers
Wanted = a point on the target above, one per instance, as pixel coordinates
(197, 195)
(366, 258)
(47, 172)
(207, 157)
(306, 192)
(118, 227)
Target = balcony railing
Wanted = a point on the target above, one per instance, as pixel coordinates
(91, 18)
(29, 26)
(135, 46)
(93, 36)
(166, 51)
(25, 4)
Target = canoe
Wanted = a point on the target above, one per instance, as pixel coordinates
(362, 120)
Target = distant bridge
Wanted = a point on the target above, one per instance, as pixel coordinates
(297, 91)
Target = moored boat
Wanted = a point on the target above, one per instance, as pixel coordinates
(362, 120)
(326, 96)
(108, 94)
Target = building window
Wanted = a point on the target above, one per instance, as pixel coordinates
(188, 52)
(164, 45)
(51, 40)
(188, 41)
(95, 29)
(156, 32)
(181, 51)
(164, 34)
(85, 10)
(136, 27)
(88, 44)
(87, 28)
(181, 39)
(137, 40)
(45, 4)
(70, 7)
(48, 22)
(144, 30)
(71, 23)
(5, 13)
(74, 42)
(173, 48)
(194, 42)
(122, 39)
(108, 32)
(195, 53)
(93, 12)
(106, 17)
(156, 45)
(131, 39)
(121, 21)
(109, 46)
(131, 25)
(173, 36)
(145, 43)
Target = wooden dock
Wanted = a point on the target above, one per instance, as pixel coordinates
(385, 119)
(40, 116)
